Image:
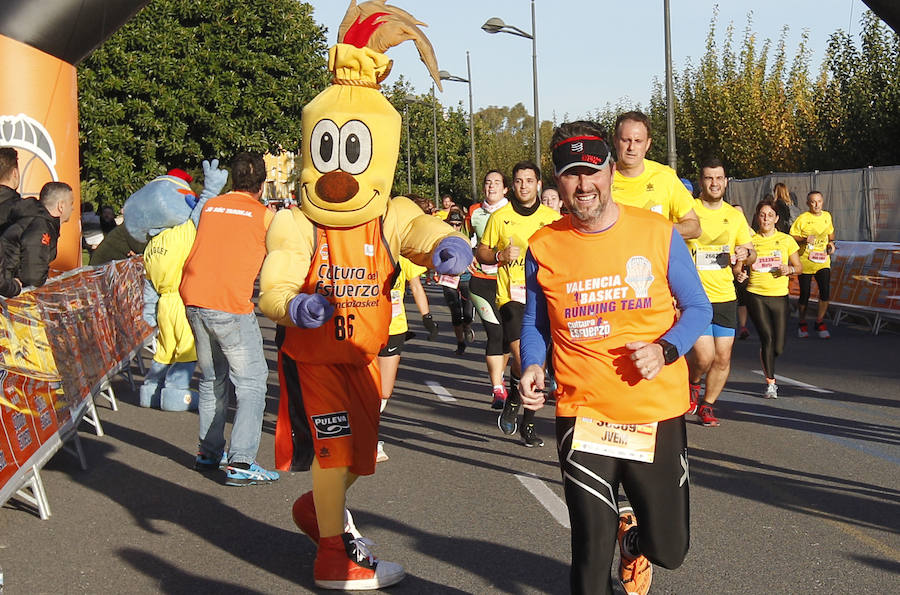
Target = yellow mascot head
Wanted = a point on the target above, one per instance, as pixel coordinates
(351, 133)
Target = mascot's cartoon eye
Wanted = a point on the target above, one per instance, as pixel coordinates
(323, 146)
(356, 147)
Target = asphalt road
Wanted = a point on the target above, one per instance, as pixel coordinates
(796, 495)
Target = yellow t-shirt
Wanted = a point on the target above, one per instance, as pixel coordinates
(720, 231)
(507, 227)
(813, 256)
(771, 252)
(657, 189)
(408, 270)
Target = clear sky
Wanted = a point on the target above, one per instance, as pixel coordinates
(590, 52)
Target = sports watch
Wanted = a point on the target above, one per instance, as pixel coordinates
(670, 352)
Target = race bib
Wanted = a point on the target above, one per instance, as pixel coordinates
(451, 281)
(489, 269)
(517, 292)
(634, 442)
(768, 264)
(713, 260)
(818, 256)
(396, 302)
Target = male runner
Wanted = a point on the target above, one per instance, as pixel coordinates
(721, 251)
(503, 244)
(617, 350)
(640, 182)
(483, 286)
(814, 232)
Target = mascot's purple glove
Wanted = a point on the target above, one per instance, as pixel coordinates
(452, 256)
(310, 310)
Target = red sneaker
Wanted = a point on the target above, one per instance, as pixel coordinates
(304, 514)
(695, 398)
(822, 330)
(345, 563)
(706, 416)
(635, 573)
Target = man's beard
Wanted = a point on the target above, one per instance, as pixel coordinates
(588, 215)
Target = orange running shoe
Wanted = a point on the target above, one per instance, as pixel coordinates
(344, 562)
(635, 573)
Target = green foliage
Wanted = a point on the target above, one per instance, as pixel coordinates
(761, 112)
(187, 80)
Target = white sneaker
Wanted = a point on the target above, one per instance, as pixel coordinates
(771, 391)
(380, 455)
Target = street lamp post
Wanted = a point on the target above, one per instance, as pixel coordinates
(437, 189)
(446, 76)
(496, 25)
(670, 94)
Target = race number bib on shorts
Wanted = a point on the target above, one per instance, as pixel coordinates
(713, 260)
(517, 292)
(768, 264)
(634, 442)
(396, 302)
(451, 281)
(818, 256)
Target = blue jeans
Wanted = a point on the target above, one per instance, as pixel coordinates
(229, 347)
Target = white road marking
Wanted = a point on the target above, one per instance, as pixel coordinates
(439, 390)
(548, 499)
(786, 380)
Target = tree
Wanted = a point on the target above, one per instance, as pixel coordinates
(452, 139)
(187, 80)
(858, 94)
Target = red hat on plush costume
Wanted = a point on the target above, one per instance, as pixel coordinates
(180, 173)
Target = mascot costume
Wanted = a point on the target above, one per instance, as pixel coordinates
(327, 280)
(164, 214)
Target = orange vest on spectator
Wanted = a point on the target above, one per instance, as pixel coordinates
(228, 252)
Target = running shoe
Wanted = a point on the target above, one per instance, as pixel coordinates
(694, 390)
(499, 397)
(744, 333)
(803, 330)
(706, 416)
(822, 330)
(345, 562)
(507, 421)
(207, 463)
(236, 475)
(304, 515)
(529, 437)
(771, 391)
(635, 573)
(469, 334)
(460, 348)
(380, 455)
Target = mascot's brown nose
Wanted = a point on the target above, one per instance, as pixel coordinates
(337, 186)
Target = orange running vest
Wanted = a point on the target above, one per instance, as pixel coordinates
(354, 269)
(614, 293)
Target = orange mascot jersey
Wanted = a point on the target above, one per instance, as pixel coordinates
(332, 367)
(354, 269)
(616, 294)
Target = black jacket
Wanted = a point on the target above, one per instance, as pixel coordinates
(8, 199)
(29, 243)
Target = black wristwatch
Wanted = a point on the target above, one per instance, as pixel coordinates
(670, 352)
